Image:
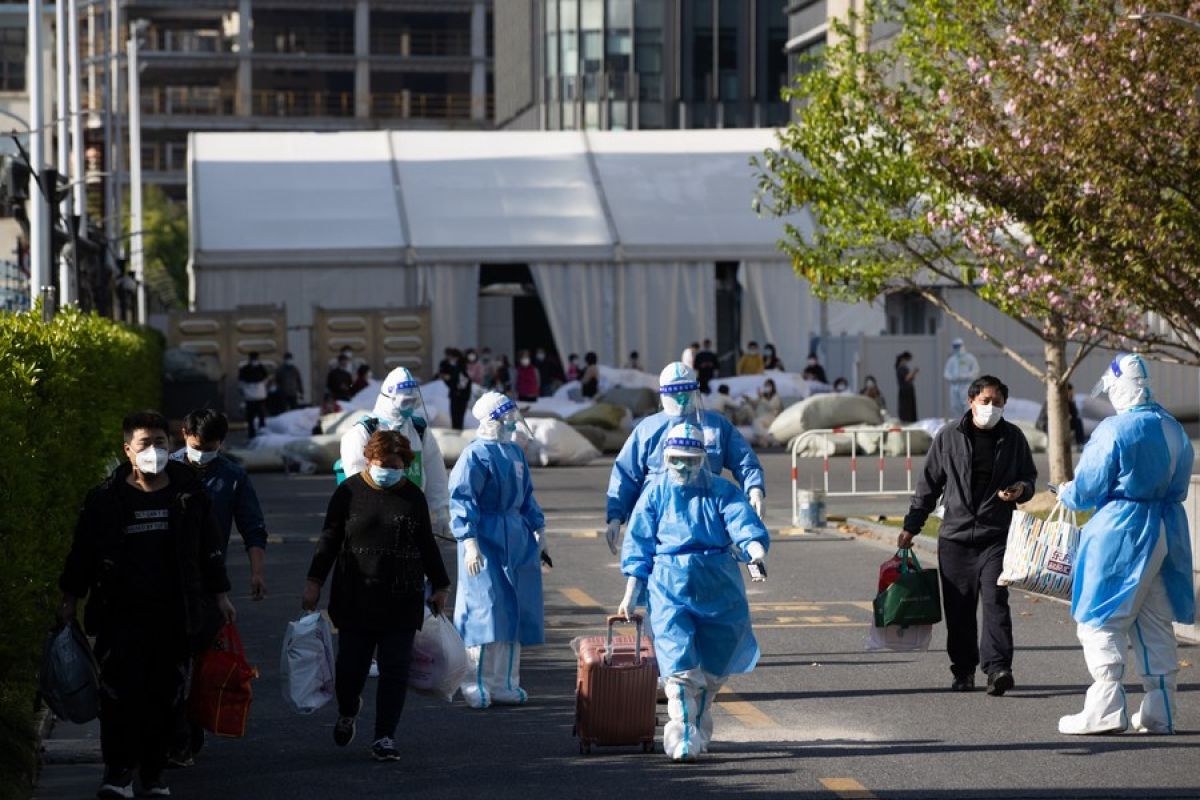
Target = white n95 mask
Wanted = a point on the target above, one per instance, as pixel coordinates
(151, 461)
(987, 417)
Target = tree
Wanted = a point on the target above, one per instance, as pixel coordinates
(165, 246)
(870, 155)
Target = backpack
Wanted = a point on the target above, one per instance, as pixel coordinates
(371, 424)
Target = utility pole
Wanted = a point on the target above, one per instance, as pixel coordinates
(136, 254)
(116, 239)
(78, 221)
(39, 210)
(62, 163)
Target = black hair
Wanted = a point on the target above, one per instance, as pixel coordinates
(206, 424)
(252, 355)
(983, 382)
(590, 358)
(287, 355)
(752, 344)
(363, 369)
(572, 356)
(148, 420)
(903, 356)
(632, 354)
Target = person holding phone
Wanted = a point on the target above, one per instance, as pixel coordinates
(981, 467)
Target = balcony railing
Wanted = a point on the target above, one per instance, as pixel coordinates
(407, 43)
(192, 42)
(284, 103)
(304, 41)
(204, 101)
(420, 105)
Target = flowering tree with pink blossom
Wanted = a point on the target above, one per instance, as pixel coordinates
(971, 154)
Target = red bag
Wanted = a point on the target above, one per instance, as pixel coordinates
(220, 697)
(889, 571)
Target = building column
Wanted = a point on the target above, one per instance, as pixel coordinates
(244, 100)
(362, 64)
(479, 61)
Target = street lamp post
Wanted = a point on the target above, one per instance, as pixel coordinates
(66, 293)
(136, 253)
(39, 210)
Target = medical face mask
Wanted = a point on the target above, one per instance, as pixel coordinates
(404, 406)
(200, 457)
(151, 461)
(680, 399)
(385, 477)
(987, 417)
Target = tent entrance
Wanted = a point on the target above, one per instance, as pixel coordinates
(511, 315)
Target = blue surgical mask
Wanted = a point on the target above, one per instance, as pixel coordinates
(201, 457)
(385, 477)
(510, 425)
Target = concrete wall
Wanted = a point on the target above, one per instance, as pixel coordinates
(515, 28)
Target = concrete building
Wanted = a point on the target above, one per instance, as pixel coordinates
(239, 65)
(640, 64)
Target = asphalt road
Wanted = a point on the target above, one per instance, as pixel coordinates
(818, 718)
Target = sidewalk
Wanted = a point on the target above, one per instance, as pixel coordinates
(71, 763)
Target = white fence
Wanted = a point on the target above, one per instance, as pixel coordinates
(872, 487)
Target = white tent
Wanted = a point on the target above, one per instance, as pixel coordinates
(622, 232)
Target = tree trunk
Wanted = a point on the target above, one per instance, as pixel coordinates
(1058, 425)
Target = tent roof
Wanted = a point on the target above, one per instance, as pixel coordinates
(438, 196)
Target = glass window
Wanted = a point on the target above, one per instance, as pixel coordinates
(569, 37)
(591, 29)
(772, 59)
(12, 59)
(729, 48)
(698, 48)
(592, 15)
(619, 36)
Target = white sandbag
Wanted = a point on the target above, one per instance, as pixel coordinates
(1018, 409)
(553, 407)
(919, 441)
(611, 377)
(261, 460)
(825, 411)
(439, 658)
(274, 441)
(450, 442)
(299, 422)
(320, 451)
(819, 445)
(337, 423)
(1038, 441)
(561, 444)
(306, 663)
(790, 386)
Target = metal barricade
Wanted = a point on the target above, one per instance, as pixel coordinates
(881, 435)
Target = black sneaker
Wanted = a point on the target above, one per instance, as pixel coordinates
(385, 750)
(343, 731)
(963, 684)
(154, 786)
(1000, 682)
(117, 784)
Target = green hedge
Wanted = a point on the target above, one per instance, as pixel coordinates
(65, 385)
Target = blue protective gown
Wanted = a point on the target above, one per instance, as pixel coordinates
(642, 456)
(1135, 471)
(685, 542)
(491, 499)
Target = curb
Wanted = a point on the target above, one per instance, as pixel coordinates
(866, 529)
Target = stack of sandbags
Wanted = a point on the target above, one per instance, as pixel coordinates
(314, 454)
(641, 402)
(607, 426)
(451, 443)
(561, 444)
(299, 422)
(260, 460)
(825, 411)
(789, 386)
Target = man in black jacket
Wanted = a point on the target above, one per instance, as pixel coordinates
(147, 554)
(981, 467)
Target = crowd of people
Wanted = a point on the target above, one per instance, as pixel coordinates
(150, 549)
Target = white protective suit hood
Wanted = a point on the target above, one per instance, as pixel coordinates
(680, 391)
(684, 456)
(400, 399)
(498, 417)
(1127, 382)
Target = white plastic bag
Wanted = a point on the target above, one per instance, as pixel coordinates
(306, 663)
(439, 658)
(899, 639)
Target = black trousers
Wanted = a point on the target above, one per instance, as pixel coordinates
(255, 410)
(458, 410)
(141, 681)
(392, 650)
(969, 574)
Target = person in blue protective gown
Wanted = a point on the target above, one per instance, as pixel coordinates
(685, 538)
(642, 453)
(501, 535)
(1133, 569)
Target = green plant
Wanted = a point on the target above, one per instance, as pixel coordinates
(65, 385)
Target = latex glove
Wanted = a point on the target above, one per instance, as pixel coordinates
(758, 502)
(540, 536)
(758, 567)
(633, 590)
(612, 535)
(472, 558)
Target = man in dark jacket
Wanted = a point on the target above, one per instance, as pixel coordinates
(147, 554)
(981, 467)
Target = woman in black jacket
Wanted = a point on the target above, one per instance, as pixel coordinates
(379, 543)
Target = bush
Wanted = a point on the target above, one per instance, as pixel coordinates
(65, 385)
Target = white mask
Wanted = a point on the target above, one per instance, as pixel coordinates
(524, 362)
(987, 417)
(200, 457)
(151, 461)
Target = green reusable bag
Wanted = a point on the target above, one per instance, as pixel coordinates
(913, 599)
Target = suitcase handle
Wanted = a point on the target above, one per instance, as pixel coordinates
(634, 619)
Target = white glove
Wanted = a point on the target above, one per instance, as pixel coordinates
(472, 558)
(758, 567)
(612, 535)
(757, 502)
(633, 590)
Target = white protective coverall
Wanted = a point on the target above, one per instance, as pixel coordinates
(961, 369)
(1133, 570)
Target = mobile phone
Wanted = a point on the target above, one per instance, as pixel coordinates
(758, 571)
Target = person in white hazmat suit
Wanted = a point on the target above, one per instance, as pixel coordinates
(400, 407)
(686, 536)
(1133, 569)
(961, 369)
(501, 543)
(641, 455)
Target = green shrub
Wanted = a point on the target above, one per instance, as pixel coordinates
(65, 385)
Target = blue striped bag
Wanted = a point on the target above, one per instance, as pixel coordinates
(1040, 554)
